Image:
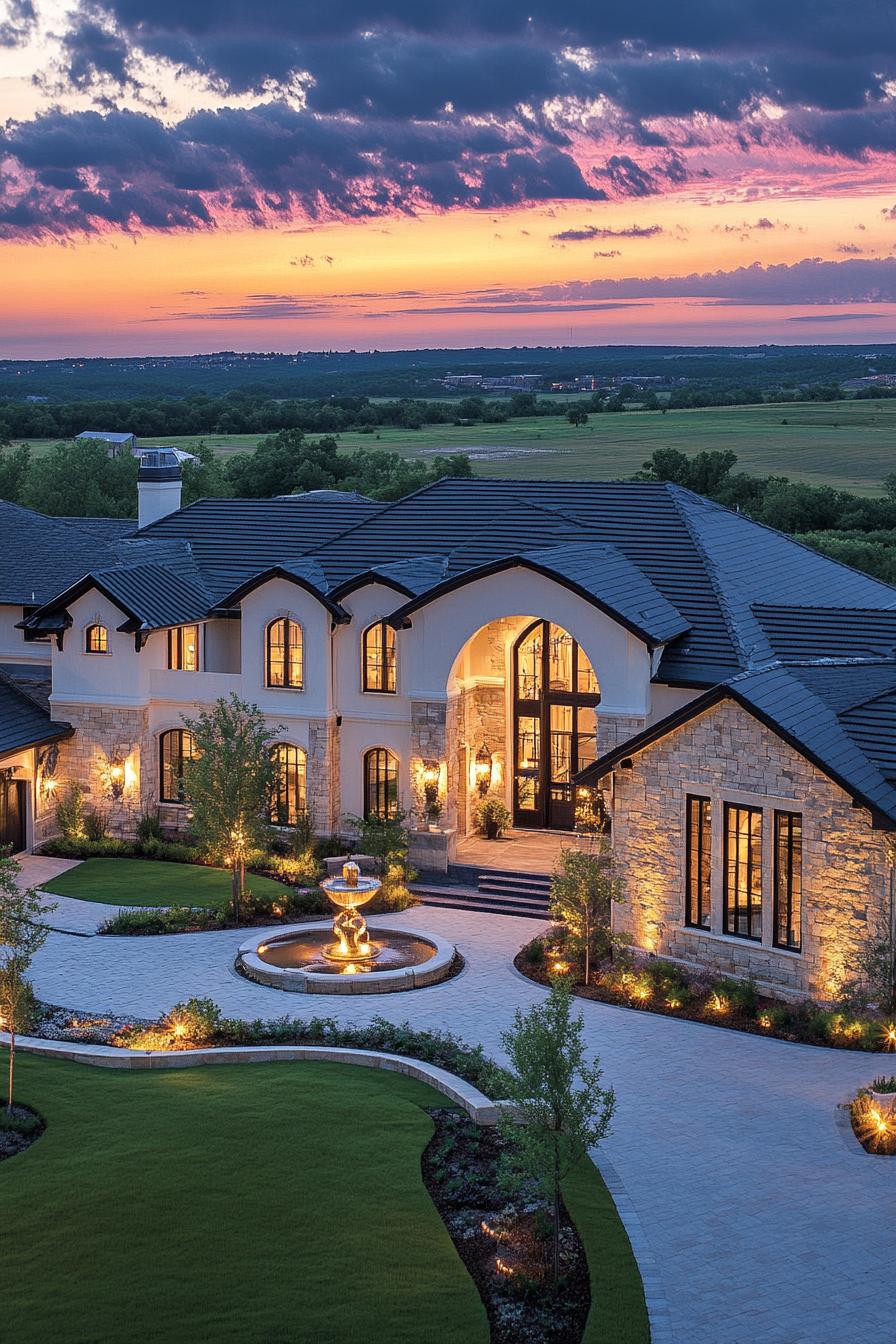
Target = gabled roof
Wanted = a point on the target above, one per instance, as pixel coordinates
(600, 574)
(24, 719)
(305, 573)
(840, 717)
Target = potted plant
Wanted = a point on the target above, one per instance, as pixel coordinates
(433, 812)
(492, 817)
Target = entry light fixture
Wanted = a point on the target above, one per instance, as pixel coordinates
(483, 769)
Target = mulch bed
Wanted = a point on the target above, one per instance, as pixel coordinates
(19, 1130)
(505, 1241)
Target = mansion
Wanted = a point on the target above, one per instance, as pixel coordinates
(730, 692)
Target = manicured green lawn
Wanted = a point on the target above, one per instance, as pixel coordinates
(270, 1204)
(261, 1203)
(151, 882)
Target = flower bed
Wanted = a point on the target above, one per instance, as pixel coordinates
(650, 984)
(199, 1022)
(505, 1243)
(18, 1130)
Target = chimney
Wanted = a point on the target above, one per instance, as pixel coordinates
(158, 485)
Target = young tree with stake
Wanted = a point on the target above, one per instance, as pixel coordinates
(229, 784)
(583, 890)
(20, 937)
(560, 1109)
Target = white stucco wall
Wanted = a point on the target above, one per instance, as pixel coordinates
(13, 648)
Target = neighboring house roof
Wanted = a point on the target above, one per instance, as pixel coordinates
(105, 435)
(841, 717)
(24, 717)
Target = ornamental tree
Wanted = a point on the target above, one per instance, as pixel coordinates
(560, 1110)
(20, 937)
(229, 785)
(583, 890)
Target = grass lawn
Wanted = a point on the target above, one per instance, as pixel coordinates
(151, 882)
(847, 444)
(267, 1203)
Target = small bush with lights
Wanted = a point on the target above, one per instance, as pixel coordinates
(873, 1115)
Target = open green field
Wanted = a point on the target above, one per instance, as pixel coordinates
(271, 1204)
(152, 882)
(847, 444)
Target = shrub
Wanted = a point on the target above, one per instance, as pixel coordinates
(196, 1020)
(95, 826)
(177, 919)
(63, 848)
(70, 812)
(492, 817)
(670, 981)
(534, 952)
(741, 996)
(303, 870)
(149, 827)
(168, 851)
(883, 1085)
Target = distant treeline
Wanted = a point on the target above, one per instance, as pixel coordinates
(158, 418)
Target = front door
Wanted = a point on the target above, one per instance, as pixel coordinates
(554, 723)
(12, 814)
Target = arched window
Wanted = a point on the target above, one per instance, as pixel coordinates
(175, 747)
(378, 657)
(96, 639)
(284, 653)
(290, 795)
(380, 783)
(555, 695)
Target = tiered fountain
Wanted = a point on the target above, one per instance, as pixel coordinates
(342, 957)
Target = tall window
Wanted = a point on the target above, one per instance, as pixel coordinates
(698, 858)
(788, 879)
(743, 871)
(175, 748)
(285, 665)
(379, 657)
(183, 648)
(380, 783)
(290, 797)
(96, 639)
(555, 726)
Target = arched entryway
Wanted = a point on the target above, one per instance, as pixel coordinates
(555, 693)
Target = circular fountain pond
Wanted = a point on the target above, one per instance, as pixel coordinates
(300, 959)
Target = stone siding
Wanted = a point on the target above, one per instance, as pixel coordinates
(105, 734)
(726, 754)
(428, 731)
(323, 776)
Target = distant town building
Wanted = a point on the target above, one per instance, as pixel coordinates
(118, 443)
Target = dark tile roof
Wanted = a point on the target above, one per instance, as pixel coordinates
(24, 721)
(39, 556)
(828, 631)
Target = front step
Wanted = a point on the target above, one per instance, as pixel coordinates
(497, 892)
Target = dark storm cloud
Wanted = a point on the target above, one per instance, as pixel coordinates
(84, 170)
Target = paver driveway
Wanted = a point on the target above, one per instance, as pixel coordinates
(765, 1225)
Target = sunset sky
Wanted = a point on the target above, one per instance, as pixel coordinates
(186, 175)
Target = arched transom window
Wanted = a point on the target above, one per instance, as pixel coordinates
(176, 747)
(290, 797)
(96, 639)
(380, 783)
(378, 658)
(284, 654)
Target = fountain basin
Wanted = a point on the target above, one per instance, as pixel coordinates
(295, 959)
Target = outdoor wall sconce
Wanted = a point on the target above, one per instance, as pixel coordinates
(430, 778)
(483, 770)
(48, 764)
(116, 777)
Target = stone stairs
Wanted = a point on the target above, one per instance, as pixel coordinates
(489, 891)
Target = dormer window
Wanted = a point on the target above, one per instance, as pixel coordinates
(183, 648)
(284, 654)
(96, 639)
(378, 667)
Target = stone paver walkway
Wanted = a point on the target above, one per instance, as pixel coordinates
(763, 1224)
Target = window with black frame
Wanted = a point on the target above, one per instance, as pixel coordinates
(380, 783)
(289, 798)
(743, 871)
(176, 747)
(183, 648)
(378, 658)
(96, 639)
(284, 654)
(698, 860)
(788, 880)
